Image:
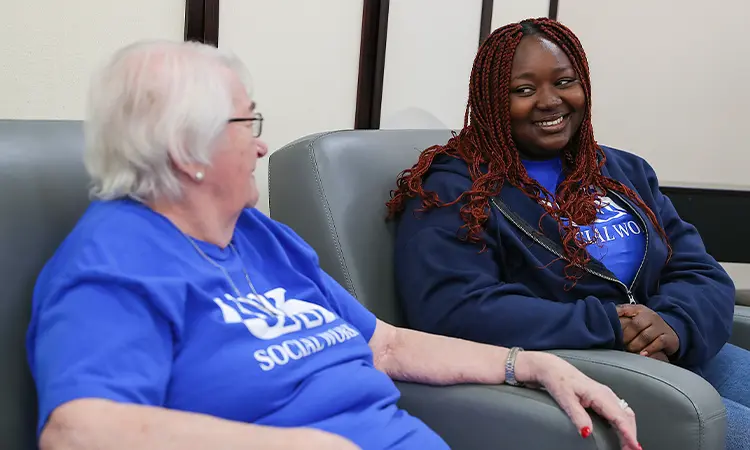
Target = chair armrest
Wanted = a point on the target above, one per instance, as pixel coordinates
(742, 297)
(741, 328)
(675, 408)
(470, 417)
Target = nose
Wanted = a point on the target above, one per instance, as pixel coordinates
(262, 148)
(548, 98)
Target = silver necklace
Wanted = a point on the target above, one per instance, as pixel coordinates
(211, 261)
(223, 270)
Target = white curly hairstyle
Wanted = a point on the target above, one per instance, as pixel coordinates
(155, 102)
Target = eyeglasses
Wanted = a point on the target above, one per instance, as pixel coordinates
(257, 122)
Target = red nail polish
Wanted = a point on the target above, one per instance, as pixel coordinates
(639, 447)
(585, 432)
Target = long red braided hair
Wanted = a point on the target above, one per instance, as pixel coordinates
(486, 140)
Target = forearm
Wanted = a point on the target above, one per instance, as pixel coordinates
(103, 425)
(438, 360)
(508, 319)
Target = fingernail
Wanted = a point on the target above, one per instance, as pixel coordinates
(639, 447)
(585, 432)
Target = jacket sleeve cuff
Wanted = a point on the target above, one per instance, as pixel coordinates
(614, 319)
(681, 330)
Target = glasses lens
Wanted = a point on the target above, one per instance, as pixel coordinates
(258, 125)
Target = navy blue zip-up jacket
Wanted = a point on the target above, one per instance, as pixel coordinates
(513, 293)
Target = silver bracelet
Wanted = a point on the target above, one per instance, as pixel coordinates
(510, 367)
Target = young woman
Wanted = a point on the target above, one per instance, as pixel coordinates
(522, 231)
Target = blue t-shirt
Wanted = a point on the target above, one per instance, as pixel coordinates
(619, 240)
(128, 310)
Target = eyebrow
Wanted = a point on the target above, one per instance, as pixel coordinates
(531, 75)
(252, 106)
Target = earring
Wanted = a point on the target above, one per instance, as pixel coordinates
(199, 176)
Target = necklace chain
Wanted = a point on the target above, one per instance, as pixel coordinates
(223, 270)
(212, 262)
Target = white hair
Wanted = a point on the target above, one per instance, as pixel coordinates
(153, 103)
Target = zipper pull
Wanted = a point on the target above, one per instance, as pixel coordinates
(631, 298)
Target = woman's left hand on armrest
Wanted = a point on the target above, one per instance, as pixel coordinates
(575, 392)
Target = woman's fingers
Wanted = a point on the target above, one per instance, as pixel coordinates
(575, 392)
(645, 339)
(571, 404)
(610, 407)
(659, 356)
(634, 327)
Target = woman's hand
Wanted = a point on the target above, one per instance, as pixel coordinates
(575, 392)
(645, 332)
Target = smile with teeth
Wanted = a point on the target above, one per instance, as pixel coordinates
(551, 123)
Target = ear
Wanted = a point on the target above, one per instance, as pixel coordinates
(193, 171)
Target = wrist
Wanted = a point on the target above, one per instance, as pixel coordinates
(529, 367)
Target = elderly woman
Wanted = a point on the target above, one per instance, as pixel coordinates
(177, 316)
(522, 231)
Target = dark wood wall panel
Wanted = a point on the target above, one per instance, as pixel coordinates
(371, 64)
(202, 21)
(485, 23)
(553, 6)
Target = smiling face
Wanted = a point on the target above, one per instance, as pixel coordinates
(547, 101)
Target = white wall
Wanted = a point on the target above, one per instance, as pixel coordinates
(304, 59)
(670, 83)
(429, 53)
(509, 11)
(50, 47)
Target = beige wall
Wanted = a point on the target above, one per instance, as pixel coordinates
(304, 60)
(50, 47)
(509, 11)
(429, 54)
(670, 83)
(430, 49)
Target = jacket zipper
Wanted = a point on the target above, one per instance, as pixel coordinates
(645, 231)
(628, 289)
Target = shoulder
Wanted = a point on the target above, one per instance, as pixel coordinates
(628, 167)
(115, 239)
(116, 255)
(448, 176)
(271, 235)
(111, 228)
(628, 162)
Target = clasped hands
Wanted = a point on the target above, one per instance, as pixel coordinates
(646, 333)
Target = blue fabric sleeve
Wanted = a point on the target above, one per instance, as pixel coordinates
(98, 339)
(343, 303)
(696, 295)
(349, 308)
(449, 287)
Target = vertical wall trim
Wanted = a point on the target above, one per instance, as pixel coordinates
(485, 22)
(202, 21)
(553, 6)
(371, 64)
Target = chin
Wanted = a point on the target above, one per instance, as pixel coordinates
(252, 199)
(251, 203)
(553, 146)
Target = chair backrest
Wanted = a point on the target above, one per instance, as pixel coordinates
(42, 194)
(331, 189)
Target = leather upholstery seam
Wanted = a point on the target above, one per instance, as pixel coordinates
(327, 211)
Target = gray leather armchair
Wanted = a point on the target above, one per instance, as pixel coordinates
(331, 189)
(42, 194)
